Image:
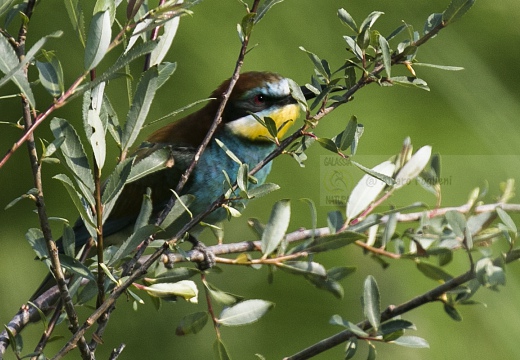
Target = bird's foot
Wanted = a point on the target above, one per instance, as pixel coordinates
(209, 258)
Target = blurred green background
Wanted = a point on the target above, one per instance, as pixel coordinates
(470, 117)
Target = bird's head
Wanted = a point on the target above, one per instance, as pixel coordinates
(266, 95)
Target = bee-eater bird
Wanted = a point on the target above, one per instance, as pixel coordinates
(264, 94)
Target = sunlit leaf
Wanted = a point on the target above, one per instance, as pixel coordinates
(276, 226)
(245, 312)
(372, 302)
(98, 39)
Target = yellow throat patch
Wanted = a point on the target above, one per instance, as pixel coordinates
(247, 126)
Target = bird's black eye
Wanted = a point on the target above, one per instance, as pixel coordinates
(259, 99)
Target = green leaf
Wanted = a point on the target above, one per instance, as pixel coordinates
(145, 212)
(304, 268)
(318, 65)
(385, 52)
(166, 69)
(28, 195)
(372, 302)
(165, 41)
(335, 241)
(37, 241)
(125, 59)
(261, 190)
(442, 67)
(133, 241)
(98, 40)
(141, 103)
(328, 144)
(192, 323)
(219, 350)
(242, 177)
(173, 275)
(394, 325)
(433, 272)
(5, 5)
(276, 227)
(156, 161)
(264, 8)
(457, 222)
(433, 21)
(410, 81)
(180, 207)
(351, 348)
(452, 312)
(77, 19)
(245, 312)
(76, 267)
(356, 330)
(411, 342)
(507, 220)
(117, 180)
(228, 152)
(97, 137)
(51, 76)
(68, 239)
(222, 297)
(76, 199)
(75, 157)
(346, 19)
(351, 42)
(368, 189)
(456, 9)
(369, 21)
(345, 139)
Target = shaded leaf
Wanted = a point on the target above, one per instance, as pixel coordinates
(456, 9)
(98, 39)
(76, 267)
(433, 272)
(219, 350)
(335, 241)
(385, 52)
(264, 8)
(356, 330)
(192, 323)
(133, 241)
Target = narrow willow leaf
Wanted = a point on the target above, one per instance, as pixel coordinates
(276, 226)
(156, 161)
(117, 180)
(351, 348)
(264, 8)
(328, 144)
(180, 207)
(186, 289)
(452, 312)
(411, 342)
(76, 199)
(318, 65)
(165, 41)
(166, 69)
(36, 240)
(432, 22)
(304, 268)
(145, 212)
(76, 267)
(433, 272)
(97, 138)
(367, 190)
(347, 19)
(68, 239)
(222, 297)
(228, 152)
(456, 9)
(245, 312)
(5, 5)
(77, 19)
(413, 167)
(335, 241)
(261, 190)
(98, 40)
(372, 302)
(173, 275)
(356, 330)
(10, 66)
(389, 230)
(75, 157)
(219, 350)
(133, 241)
(345, 139)
(48, 75)
(410, 81)
(442, 67)
(242, 177)
(369, 21)
(396, 325)
(457, 222)
(507, 220)
(192, 323)
(385, 52)
(351, 42)
(141, 103)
